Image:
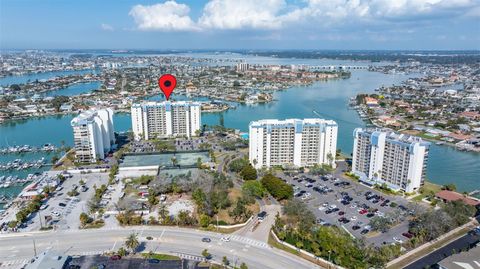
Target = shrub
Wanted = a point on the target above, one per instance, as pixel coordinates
(276, 187)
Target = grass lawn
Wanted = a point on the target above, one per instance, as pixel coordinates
(66, 161)
(427, 188)
(403, 263)
(272, 242)
(160, 256)
(233, 195)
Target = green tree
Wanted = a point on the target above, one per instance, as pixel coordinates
(204, 220)
(199, 163)
(55, 159)
(225, 261)
(163, 211)
(253, 188)
(380, 224)
(248, 172)
(206, 254)
(237, 165)
(132, 242)
(12, 224)
(122, 252)
(459, 211)
(84, 219)
(239, 211)
(243, 266)
(277, 187)
(152, 198)
(449, 187)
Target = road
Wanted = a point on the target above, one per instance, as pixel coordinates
(433, 258)
(261, 230)
(16, 249)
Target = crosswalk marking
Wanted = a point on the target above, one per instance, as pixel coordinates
(250, 241)
(14, 263)
(190, 257)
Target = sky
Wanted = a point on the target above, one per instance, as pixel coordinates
(241, 24)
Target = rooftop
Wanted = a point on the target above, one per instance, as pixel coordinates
(454, 196)
(291, 122)
(393, 136)
(48, 260)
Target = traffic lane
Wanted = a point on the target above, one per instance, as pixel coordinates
(185, 240)
(433, 258)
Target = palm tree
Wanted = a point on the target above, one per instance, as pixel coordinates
(330, 158)
(174, 161)
(163, 211)
(132, 242)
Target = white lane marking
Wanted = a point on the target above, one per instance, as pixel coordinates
(114, 244)
(161, 235)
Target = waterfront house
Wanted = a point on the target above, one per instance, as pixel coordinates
(370, 101)
(66, 107)
(449, 196)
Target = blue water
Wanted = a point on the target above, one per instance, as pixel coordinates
(328, 98)
(4, 81)
(76, 89)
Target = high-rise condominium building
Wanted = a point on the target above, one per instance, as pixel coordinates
(292, 142)
(242, 67)
(93, 134)
(165, 119)
(397, 160)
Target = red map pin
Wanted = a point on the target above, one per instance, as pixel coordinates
(167, 84)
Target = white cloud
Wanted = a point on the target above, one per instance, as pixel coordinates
(276, 14)
(107, 27)
(169, 16)
(234, 14)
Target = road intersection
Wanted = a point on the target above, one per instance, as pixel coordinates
(18, 248)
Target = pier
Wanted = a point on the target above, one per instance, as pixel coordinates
(27, 148)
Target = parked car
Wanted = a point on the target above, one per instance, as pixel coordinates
(407, 235)
(261, 216)
(206, 240)
(115, 257)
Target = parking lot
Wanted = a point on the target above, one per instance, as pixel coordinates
(63, 211)
(347, 204)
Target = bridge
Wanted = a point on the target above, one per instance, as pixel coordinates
(337, 67)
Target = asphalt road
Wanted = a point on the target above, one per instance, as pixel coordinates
(440, 254)
(16, 249)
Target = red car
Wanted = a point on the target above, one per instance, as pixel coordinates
(115, 257)
(363, 211)
(407, 235)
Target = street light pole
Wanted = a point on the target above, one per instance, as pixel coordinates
(34, 248)
(329, 258)
(40, 219)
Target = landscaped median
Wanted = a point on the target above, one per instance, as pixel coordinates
(274, 241)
